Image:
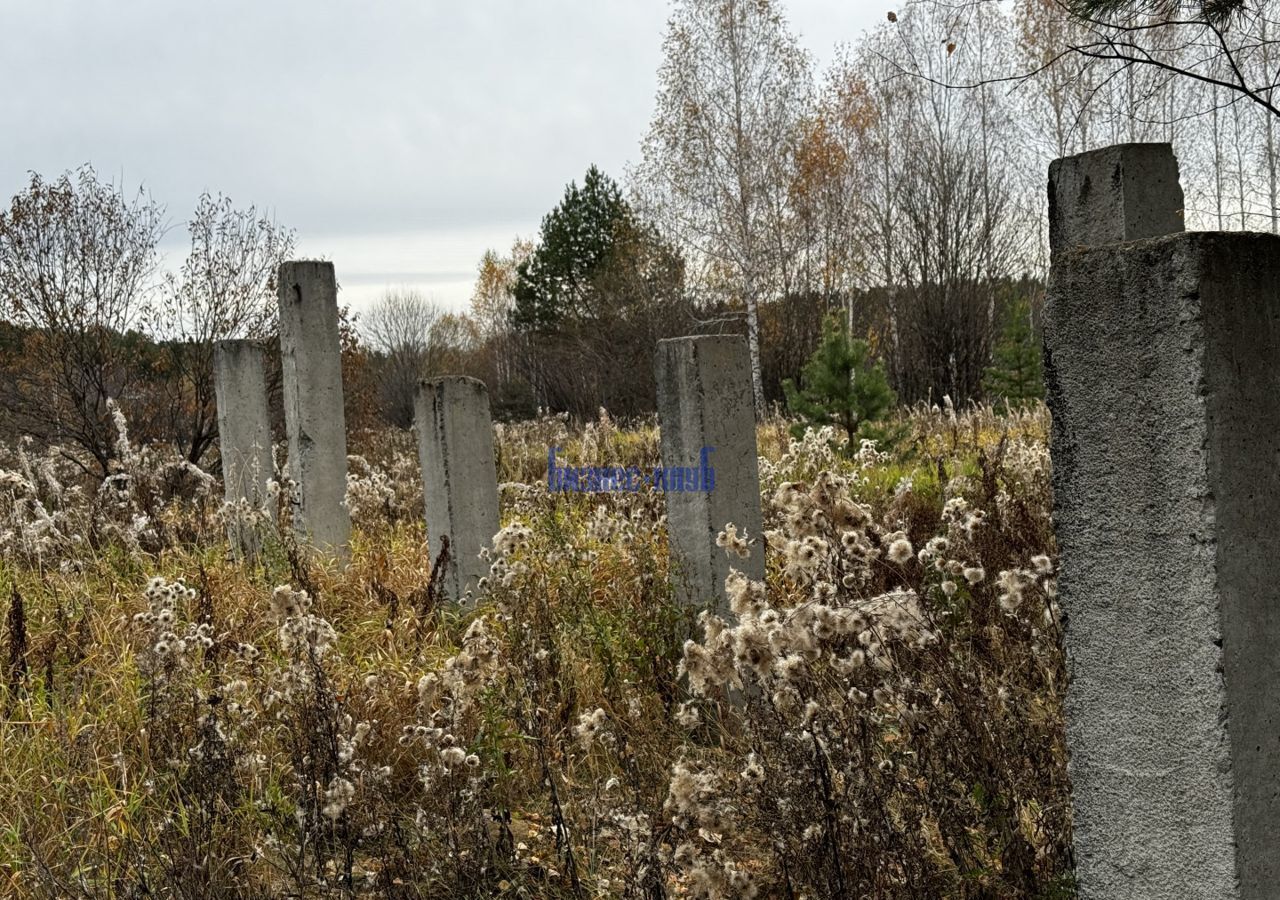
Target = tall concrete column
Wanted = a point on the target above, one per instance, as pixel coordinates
(704, 403)
(312, 368)
(459, 477)
(1165, 391)
(244, 435)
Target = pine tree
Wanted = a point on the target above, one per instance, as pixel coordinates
(1215, 11)
(1016, 374)
(841, 385)
(576, 239)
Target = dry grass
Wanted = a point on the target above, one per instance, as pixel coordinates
(546, 743)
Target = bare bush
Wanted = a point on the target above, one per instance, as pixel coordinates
(407, 331)
(225, 289)
(76, 262)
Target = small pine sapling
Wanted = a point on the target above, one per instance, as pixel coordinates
(840, 385)
(1016, 374)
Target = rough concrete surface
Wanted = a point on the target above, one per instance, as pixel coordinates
(704, 400)
(1162, 376)
(244, 431)
(1121, 193)
(314, 417)
(459, 476)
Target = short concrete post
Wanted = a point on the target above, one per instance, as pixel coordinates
(1121, 193)
(459, 477)
(704, 402)
(244, 437)
(1162, 379)
(312, 368)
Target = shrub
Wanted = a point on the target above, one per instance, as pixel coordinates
(841, 385)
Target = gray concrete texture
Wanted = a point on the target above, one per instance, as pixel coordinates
(1121, 193)
(244, 433)
(1161, 377)
(459, 477)
(704, 400)
(314, 419)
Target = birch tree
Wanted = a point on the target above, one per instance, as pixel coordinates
(1057, 98)
(829, 195)
(492, 302)
(719, 154)
(953, 227)
(1204, 41)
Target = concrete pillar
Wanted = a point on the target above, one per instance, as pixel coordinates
(312, 370)
(459, 477)
(1162, 379)
(704, 401)
(244, 435)
(1121, 193)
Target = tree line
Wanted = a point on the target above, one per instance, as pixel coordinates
(900, 190)
(896, 195)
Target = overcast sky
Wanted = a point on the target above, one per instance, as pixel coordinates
(400, 138)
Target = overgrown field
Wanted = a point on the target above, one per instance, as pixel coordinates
(880, 718)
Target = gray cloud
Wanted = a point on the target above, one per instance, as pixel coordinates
(348, 120)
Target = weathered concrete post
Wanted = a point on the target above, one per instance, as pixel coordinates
(704, 402)
(312, 370)
(1162, 379)
(459, 477)
(1121, 193)
(244, 436)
